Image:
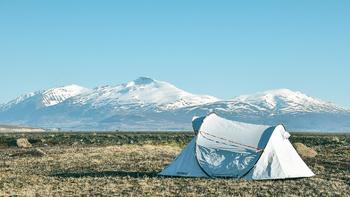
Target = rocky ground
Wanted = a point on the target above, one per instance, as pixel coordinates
(126, 164)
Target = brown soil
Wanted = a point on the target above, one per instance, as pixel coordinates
(130, 169)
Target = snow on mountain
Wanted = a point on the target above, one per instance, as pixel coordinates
(286, 101)
(294, 109)
(45, 98)
(148, 104)
(142, 92)
(273, 102)
(54, 96)
(17, 100)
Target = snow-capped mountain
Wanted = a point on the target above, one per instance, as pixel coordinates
(286, 101)
(55, 96)
(275, 102)
(292, 108)
(46, 98)
(148, 104)
(142, 92)
(17, 101)
(23, 107)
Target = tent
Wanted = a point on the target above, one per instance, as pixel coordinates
(225, 148)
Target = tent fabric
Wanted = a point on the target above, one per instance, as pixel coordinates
(196, 123)
(225, 148)
(185, 164)
(279, 160)
(222, 150)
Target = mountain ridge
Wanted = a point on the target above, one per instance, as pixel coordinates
(145, 104)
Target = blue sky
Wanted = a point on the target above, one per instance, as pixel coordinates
(221, 48)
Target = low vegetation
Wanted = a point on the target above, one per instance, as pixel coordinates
(127, 164)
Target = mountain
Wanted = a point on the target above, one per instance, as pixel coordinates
(143, 103)
(294, 109)
(148, 104)
(21, 108)
(46, 98)
(286, 101)
(17, 128)
(141, 92)
(275, 102)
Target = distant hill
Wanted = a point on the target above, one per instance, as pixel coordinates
(14, 128)
(148, 104)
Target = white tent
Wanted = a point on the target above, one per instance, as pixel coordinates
(224, 148)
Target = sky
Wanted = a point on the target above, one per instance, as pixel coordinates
(220, 48)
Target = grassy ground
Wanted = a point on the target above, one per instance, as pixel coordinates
(127, 164)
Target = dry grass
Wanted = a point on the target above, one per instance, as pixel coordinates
(131, 170)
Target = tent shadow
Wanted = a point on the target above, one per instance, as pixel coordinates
(104, 174)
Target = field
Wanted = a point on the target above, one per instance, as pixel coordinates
(126, 164)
